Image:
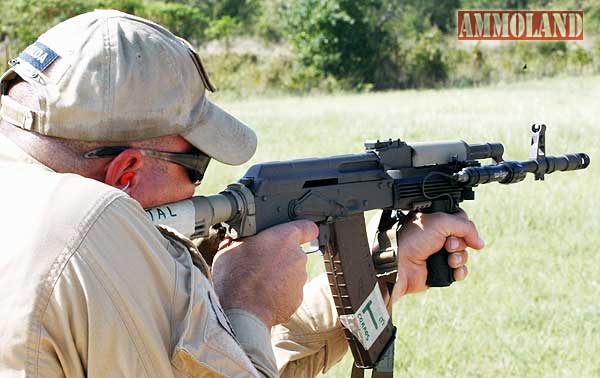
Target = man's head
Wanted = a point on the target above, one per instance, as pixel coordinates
(149, 180)
(106, 78)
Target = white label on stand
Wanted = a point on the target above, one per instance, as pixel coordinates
(369, 321)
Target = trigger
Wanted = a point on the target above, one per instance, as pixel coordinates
(324, 235)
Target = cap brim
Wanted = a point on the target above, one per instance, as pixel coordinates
(222, 136)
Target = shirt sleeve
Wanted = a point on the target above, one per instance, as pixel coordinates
(130, 303)
(255, 338)
(312, 341)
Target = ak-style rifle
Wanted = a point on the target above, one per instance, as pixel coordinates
(335, 191)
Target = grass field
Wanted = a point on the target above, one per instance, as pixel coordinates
(531, 304)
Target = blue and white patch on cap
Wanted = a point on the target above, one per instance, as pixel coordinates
(38, 55)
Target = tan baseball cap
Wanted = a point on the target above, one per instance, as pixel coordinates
(108, 76)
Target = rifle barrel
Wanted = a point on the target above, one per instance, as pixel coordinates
(510, 172)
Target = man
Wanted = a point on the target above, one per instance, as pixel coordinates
(104, 115)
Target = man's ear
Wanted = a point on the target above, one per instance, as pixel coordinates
(120, 169)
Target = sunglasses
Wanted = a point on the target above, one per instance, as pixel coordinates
(196, 163)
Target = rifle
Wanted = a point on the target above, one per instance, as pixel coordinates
(335, 191)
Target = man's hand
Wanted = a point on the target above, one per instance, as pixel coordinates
(264, 274)
(424, 236)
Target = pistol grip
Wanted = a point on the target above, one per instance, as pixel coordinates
(439, 273)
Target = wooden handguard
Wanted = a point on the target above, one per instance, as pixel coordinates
(354, 286)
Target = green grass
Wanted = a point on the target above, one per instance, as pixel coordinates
(531, 304)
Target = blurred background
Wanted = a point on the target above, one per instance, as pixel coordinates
(304, 46)
(318, 77)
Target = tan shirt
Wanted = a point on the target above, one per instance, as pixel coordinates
(312, 341)
(90, 288)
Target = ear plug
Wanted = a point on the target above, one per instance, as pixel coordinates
(126, 180)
